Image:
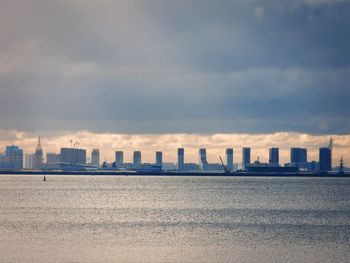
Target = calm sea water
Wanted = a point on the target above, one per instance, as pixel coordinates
(174, 219)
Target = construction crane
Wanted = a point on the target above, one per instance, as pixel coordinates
(227, 171)
(76, 144)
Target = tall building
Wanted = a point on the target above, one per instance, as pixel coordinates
(245, 157)
(38, 156)
(274, 156)
(119, 158)
(14, 157)
(29, 161)
(325, 159)
(180, 159)
(53, 160)
(3, 161)
(298, 157)
(137, 158)
(203, 163)
(95, 157)
(229, 158)
(159, 158)
(73, 156)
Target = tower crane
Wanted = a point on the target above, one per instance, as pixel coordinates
(227, 171)
(76, 144)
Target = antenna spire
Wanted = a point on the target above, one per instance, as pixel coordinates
(38, 147)
(331, 143)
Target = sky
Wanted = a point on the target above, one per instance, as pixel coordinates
(169, 68)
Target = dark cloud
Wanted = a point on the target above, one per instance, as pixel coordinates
(175, 66)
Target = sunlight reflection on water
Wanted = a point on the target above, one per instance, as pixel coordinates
(174, 219)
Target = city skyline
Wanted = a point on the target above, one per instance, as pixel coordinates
(174, 131)
(162, 75)
(168, 144)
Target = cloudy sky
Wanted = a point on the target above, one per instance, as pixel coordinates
(175, 67)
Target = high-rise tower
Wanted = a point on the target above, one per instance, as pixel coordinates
(137, 158)
(325, 159)
(14, 156)
(203, 163)
(119, 158)
(38, 156)
(245, 157)
(159, 158)
(229, 158)
(180, 159)
(274, 156)
(298, 157)
(95, 157)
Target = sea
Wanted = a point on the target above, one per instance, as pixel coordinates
(174, 219)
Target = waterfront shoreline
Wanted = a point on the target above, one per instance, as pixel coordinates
(170, 173)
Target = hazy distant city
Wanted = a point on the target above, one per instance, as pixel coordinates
(175, 131)
(74, 158)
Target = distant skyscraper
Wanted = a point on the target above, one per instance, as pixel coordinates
(229, 158)
(274, 156)
(95, 157)
(325, 159)
(28, 161)
(159, 158)
(38, 156)
(119, 158)
(14, 156)
(180, 159)
(245, 157)
(73, 156)
(137, 158)
(3, 161)
(203, 163)
(298, 157)
(52, 160)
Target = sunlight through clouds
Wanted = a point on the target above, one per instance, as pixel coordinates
(108, 143)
